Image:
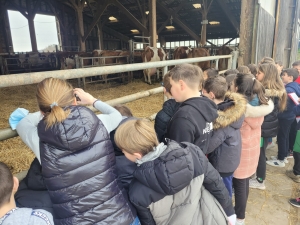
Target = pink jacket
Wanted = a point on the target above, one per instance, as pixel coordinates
(250, 133)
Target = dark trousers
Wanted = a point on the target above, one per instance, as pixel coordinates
(292, 135)
(296, 168)
(284, 127)
(228, 184)
(241, 192)
(261, 167)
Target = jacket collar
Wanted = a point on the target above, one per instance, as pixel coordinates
(258, 111)
(232, 113)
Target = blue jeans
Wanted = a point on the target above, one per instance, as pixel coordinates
(284, 127)
(228, 184)
(136, 221)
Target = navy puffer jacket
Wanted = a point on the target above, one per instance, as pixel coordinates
(78, 166)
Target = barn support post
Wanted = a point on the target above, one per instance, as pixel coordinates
(30, 18)
(100, 35)
(79, 16)
(204, 11)
(152, 24)
(248, 8)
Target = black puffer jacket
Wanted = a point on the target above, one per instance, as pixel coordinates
(32, 191)
(175, 184)
(163, 117)
(270, 125)
(225, 144)
(78, 166)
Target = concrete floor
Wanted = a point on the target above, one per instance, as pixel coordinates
(270, 206)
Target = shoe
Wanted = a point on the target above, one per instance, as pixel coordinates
(241, 222)
(290, 155)
(276, 163)
(295, 202)
(253, 183)
(291, 175)
(275, 158)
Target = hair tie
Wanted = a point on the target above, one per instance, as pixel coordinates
(53, 104)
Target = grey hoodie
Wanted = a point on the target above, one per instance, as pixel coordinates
(26, 216)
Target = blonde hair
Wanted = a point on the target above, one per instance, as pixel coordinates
(267, 60)
(53, 95)
(272, 80)
(192, 75)
(136, 136)
(243, 69)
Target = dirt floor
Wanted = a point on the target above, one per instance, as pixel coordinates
(268, 207)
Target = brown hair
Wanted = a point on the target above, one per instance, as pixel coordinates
(279, 63)
(229, 79)
(253, 69)
(248, 86)
(136, 136)
(272, 80)
(166, 82)
(53, 95)
(6, 184)
(291, 72)
(243, 69)
(267, 60)
(231, 71)
(124, 110)
(216, 85)
(212, 72)
(296, 63)
(192, 75)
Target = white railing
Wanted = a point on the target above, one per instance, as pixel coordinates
(31, 78)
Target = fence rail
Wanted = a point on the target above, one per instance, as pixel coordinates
(32, 78)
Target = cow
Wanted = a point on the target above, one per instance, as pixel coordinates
(152, 54)
(104, 53)
(186, 52)
(223, 63)
(67, 59)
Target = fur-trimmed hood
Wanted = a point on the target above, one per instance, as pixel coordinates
(274, 93)
(258, 111)
(233, 113)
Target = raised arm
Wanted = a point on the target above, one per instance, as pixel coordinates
(27, 130)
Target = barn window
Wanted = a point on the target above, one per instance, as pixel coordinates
(45, 31)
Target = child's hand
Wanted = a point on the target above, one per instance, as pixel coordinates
(85, 98)
(232, 219)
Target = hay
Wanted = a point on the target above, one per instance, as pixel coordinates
(18, 156)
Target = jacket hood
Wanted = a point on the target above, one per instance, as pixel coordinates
(170, 172)
(258, 111)
(204, 106)
(293, 87)
(74, 133)
(170, 107)
(274, 93)
(233, 114)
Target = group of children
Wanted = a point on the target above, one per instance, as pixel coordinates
(209, 138)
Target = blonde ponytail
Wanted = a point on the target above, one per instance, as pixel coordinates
(53, 96)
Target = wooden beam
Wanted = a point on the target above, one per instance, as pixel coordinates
(15, 6)
(229, 14)
(210, 43)
(137, 23)
(115, 33)
(100, 11)
(229, 41)
(162, 8)
(163, 25)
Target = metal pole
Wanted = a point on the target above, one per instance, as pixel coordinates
(9, 133)
(32, 78)
(153, 35)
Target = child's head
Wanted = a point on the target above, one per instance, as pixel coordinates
(52, 96)
(8, 185)
(243, 69)
(136, 138)
(248, 86)
(215, 89)
(185, 79)
(296, 65)
(269, 77)
(231, 71)
(267, 60)
(279, 66)
(124, 110)
(167, 85)
(229, 80)
(289, 75)
(253, 69)
(210, 73)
